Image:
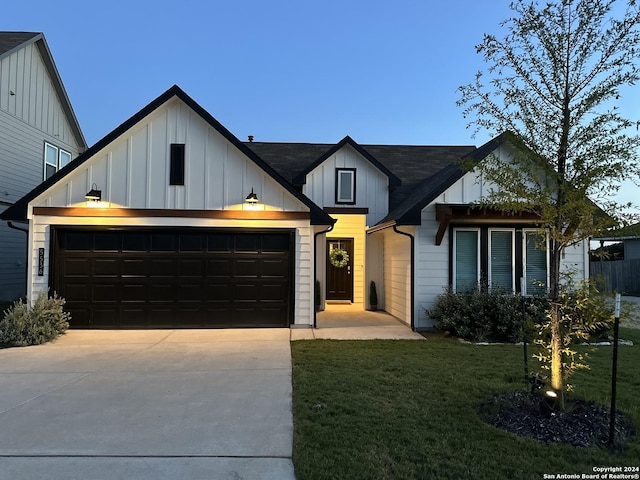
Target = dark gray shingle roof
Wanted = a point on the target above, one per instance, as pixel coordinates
(412, 164)
(11, 40)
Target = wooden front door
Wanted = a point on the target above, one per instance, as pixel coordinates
(340, 269)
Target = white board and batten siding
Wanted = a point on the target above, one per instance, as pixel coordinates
(31, 114)
(133, 172)
(372, 186)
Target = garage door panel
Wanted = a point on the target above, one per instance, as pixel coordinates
(133, 278)
(161, 292)
(190, 292)
(274, 268)
(273, 292)
(76, 292)
(220, 268)
(106, 267)
(131, 317)
(80, 316)
(162, 267)
(245, 243)
(133, 292)
(246, 268)
(278, 243)
(161, 317)
(134, 267)
(106, 293)
(105, 317)
(191, 267)
(77, 267)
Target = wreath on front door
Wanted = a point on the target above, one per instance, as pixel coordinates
(339, 258)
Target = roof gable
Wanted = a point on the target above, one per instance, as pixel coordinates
(408, 212)
(19, 210)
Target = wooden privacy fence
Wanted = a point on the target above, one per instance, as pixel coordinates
(621, 276)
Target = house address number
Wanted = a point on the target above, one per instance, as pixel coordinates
(41, 262)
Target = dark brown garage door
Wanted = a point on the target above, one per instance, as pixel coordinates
(174, 279)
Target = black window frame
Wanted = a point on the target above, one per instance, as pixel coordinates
(177, 164)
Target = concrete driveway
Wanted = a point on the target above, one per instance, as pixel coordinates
(193, 404)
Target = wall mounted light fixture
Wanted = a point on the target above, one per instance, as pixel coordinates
(94, 194)
(252, 198)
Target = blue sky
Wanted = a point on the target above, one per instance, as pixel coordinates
(294, 71)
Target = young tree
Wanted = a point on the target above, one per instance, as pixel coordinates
(554, 83)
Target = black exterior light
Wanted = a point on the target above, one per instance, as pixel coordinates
(94, 194)
(252, 198)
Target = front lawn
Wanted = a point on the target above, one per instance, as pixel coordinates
(409, 410)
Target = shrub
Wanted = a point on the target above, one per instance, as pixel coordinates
(21, 326)
(486, 315)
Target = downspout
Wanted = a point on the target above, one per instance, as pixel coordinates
(25, 230)
(413, 289)
(315, 246)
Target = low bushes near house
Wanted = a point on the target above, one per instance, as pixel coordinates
(487, 314)
(22, 326)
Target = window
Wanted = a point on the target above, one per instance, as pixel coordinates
(54, 159)
(176, 167)
(501, 256)
(535, 250)
(466, 259)
(345, 185)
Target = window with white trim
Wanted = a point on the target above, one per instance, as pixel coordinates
(535, 254)
(54, 159)
(502, 267)
(345, 185)
(466, 259)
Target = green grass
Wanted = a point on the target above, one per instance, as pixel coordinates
(408, 410)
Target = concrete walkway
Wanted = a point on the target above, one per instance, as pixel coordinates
(351, 322)
(159, 404)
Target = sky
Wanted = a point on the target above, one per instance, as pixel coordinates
(383, 72)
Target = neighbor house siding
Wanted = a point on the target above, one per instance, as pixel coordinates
(30, 115)
(304, 255)
(34, 101)
(372, 190)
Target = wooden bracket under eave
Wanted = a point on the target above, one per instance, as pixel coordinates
(443, 215)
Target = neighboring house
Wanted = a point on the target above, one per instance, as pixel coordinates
(629, 236)
(194, 228)
(39, 134)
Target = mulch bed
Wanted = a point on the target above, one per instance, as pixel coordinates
(583, 424)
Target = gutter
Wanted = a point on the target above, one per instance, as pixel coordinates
(315, 246)
(413, 282)
(11, 225)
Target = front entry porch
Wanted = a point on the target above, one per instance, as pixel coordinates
(344, 321)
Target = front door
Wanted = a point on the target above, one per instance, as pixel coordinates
(339, 269)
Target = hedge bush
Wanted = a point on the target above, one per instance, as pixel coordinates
(43, 322)
(486, 315)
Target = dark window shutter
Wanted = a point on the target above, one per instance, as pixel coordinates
(176, 168)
